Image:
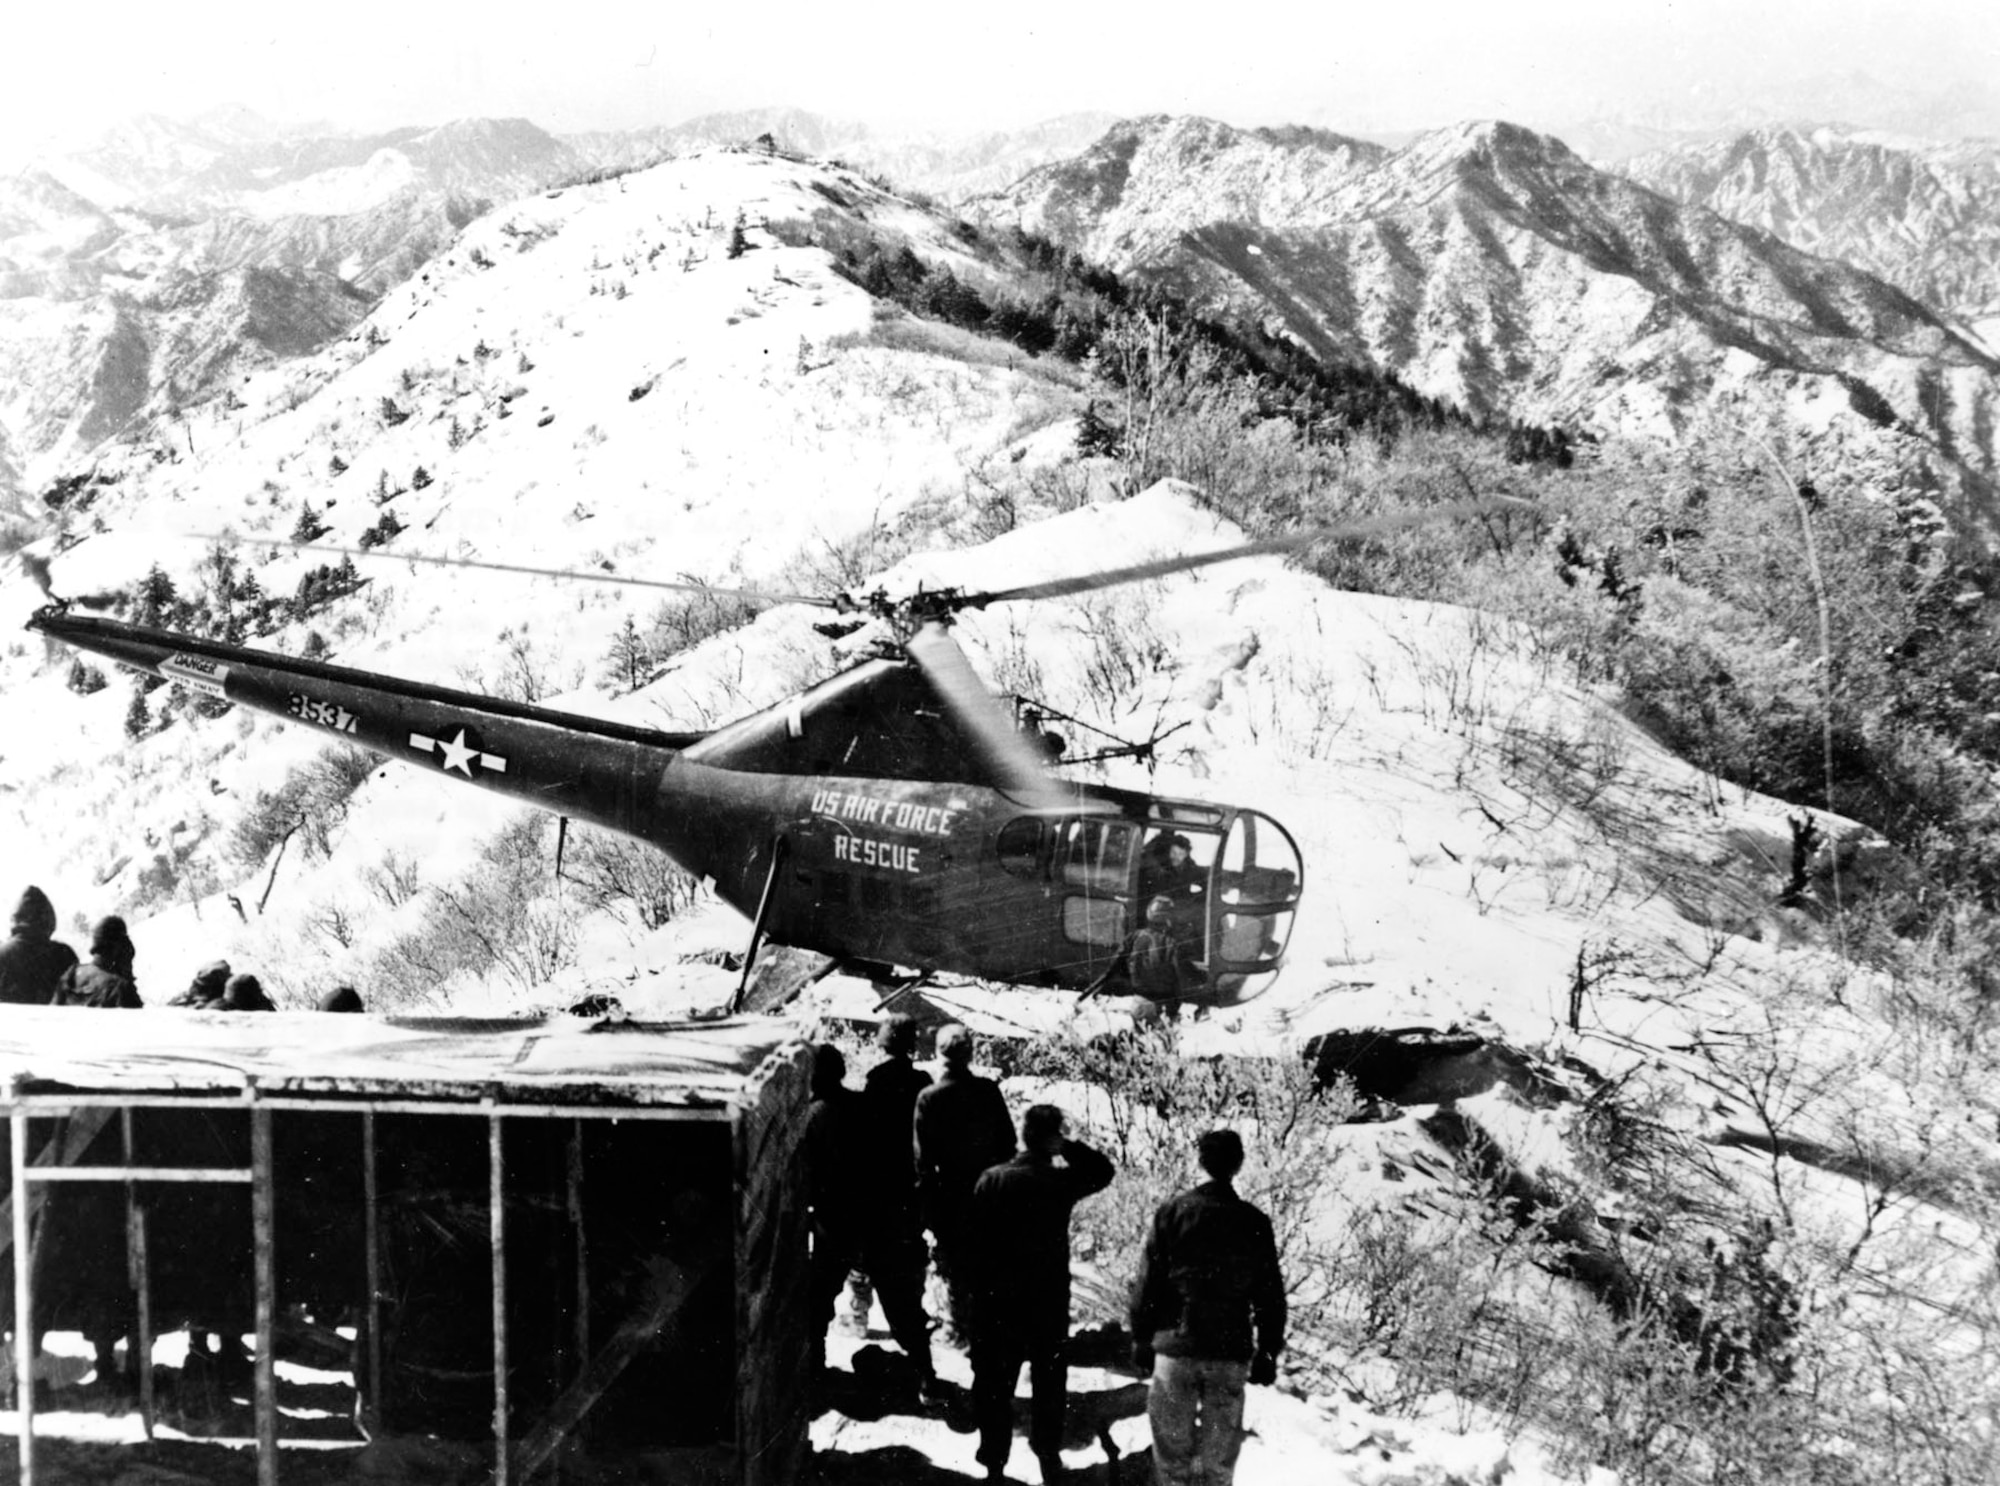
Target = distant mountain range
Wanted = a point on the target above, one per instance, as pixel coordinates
(1493, 267)
(1924, 217)
(949, 166)
(1813, 276)
(142, 273)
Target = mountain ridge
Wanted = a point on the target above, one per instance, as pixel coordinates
(1490, 265)
(1926, 218)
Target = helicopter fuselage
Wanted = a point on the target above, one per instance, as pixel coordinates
(797, 811)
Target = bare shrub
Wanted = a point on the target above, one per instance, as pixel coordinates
(621, 875)
(682, 623)
(501, 919)
(311, 804)
(844, 564)
(526, 674)
(1123, 649)
(396, 879)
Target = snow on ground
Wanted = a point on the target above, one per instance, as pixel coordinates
(589, 382)
(1289, 1441)
(614, 393)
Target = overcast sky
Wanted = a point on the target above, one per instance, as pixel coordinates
(582, 64)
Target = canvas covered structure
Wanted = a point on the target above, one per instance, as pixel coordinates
(536, 1227)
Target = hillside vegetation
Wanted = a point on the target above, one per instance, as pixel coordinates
(1666, 790)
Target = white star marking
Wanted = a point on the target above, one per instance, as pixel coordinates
(457, 755)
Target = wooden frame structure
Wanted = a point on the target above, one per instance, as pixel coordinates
(748, 1074)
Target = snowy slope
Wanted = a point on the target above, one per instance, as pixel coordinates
(591, 382)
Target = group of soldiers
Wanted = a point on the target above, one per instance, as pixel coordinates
(906, 1154)
(38, 969)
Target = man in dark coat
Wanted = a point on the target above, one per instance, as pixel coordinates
(832, 1147)
(341, 998)
(79, 1251)
(107, 980)
(1020, 1235)
(32, 959)
(892, 1239)
(961, 1128)
(1208, 1314)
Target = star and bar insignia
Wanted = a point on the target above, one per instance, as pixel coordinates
(461, 753)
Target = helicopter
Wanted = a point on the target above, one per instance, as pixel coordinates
(893, 815)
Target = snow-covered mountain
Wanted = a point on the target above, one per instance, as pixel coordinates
(152, 269)
(237, 162)
(1924, 218)
(592, 380)
(950, 166)
(1490, 266)
(1849, 101)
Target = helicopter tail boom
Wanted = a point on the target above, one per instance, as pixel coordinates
(589, 768)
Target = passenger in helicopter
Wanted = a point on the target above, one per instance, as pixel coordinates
(1168, 869)
(1156, 962)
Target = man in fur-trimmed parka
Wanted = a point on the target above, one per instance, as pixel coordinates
(32, 960)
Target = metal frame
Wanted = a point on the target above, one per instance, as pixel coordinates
(21, 1106)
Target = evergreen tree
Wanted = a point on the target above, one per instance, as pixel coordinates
(308, 528)
(138, 717)
(630, 658)
(420, 478)
(1094, 436)
(158, 598)
(877, 279)
(738, 243)
(83, 679)
(336, 466)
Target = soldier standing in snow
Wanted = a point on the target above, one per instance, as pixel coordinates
(33, 960)
(831, 1146)
(892, 1239)
(1208, 1314)
(961, 1128)
(1020, 1250)
(107, 980)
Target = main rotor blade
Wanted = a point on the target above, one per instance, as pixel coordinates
(1346, 531)
(1014, 761)
(748, 595)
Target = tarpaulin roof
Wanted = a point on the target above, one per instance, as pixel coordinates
(557, 1060)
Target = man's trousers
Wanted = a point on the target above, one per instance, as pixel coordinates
(1196, 1410)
